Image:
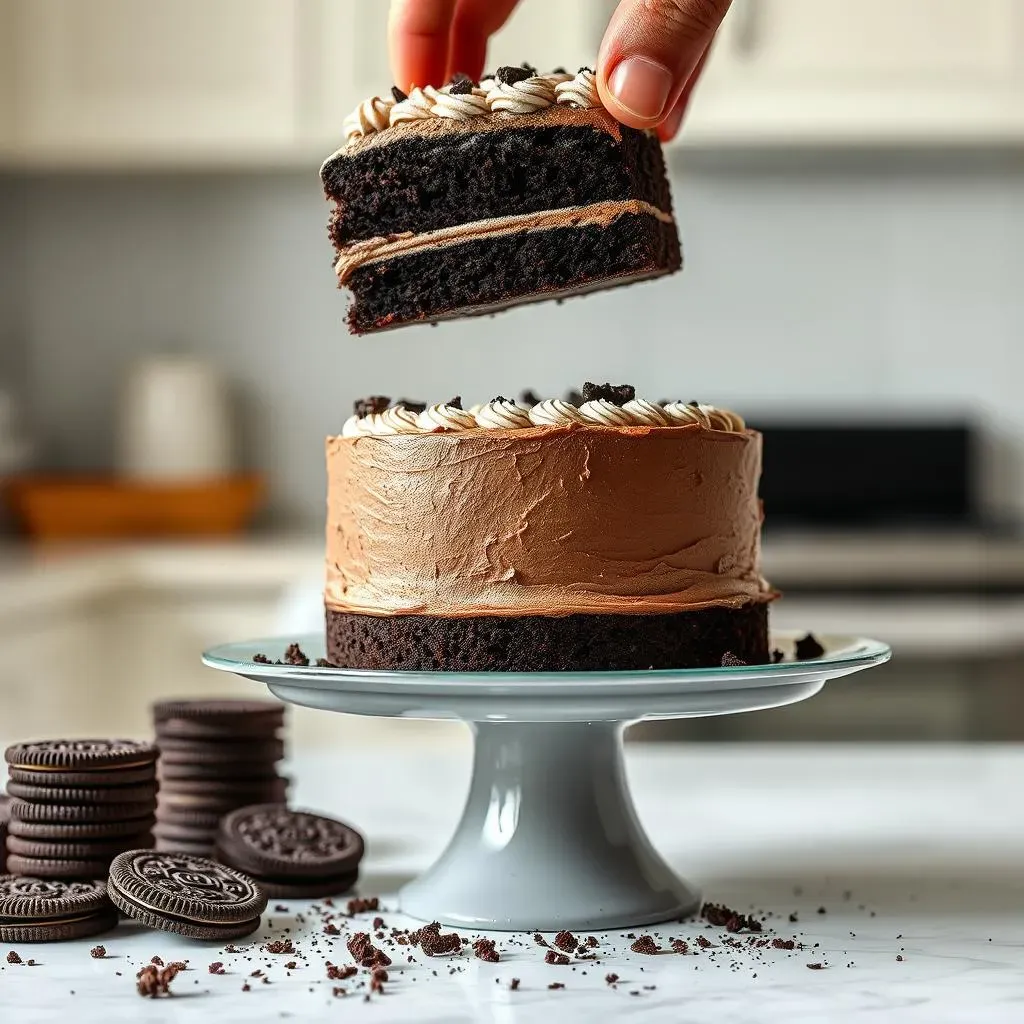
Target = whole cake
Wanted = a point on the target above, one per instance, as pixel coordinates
(479, 196)
(603, 532)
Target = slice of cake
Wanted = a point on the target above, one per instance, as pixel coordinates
(476, 197)
(613, 534)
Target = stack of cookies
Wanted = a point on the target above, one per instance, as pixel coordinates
(5, 815)
(77, 804)
(215, 756)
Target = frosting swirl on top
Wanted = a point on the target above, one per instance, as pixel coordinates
(646, 413)
(372, 115)
(553, 412)
(605, 413)
(461, 106)
(525, 97)
(445, 417)
(356, 426)
(686, 412)
(723, 419)
(556, 78)
(579, 91)
(396, 420)
(417, 106)
(503, 414)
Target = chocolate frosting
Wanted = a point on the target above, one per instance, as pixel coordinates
(550, 520)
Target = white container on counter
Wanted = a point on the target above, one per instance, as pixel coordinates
(175, 422)
(15, 449)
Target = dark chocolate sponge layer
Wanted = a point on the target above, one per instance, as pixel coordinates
(535, 643)
(487, 274)
(422, 183)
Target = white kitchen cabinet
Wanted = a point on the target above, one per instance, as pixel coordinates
(348, 57)
(832, 71)
(123, 82)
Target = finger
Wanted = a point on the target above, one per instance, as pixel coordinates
(669, 127)
(475, 22)
(649, 53)
(418, 33)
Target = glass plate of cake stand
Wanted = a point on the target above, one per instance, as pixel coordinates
(549, 837)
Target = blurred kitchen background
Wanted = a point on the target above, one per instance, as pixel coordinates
(850, 188)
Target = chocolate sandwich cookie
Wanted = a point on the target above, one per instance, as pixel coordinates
(217, 719)
(193, 818)
(4, 818)
(80, 796)
(35, 867)
(222, 801)
(80, 755)
(234, 753)
(54, 831)
(248, 773)
(25, 810)
(243, 791)
(96, 849)
(291, 853)
(41, 910)
(102, 777)
(189, 895)
(197, 848)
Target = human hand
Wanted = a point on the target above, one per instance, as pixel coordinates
(650, 59)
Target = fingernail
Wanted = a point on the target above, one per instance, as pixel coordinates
(642, 86)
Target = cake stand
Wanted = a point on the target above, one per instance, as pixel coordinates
(549, 837)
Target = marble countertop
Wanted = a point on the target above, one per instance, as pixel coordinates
(911, 852)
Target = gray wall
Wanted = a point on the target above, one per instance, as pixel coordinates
(850, 283)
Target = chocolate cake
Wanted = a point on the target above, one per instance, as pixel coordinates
(613, 534)
(476, 197)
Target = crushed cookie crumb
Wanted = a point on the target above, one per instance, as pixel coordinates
(556, 984)
(340, 973)
(365, 953)
(280, 946)
(808, 647)
(645, 944)
(553, 957)
(566, 941)
(153, 981)
(611, 979)
(484, 949)
(216, 968)
(617, 394)
(362, 906)
(720, 915)
(98, 952)
(294, 655)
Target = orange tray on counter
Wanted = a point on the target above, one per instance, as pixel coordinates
(79, 508)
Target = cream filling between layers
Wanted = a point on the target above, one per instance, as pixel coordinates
(383, 247)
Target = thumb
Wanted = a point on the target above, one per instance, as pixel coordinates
(649, 53)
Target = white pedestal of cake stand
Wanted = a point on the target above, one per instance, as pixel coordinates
(549, 837)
